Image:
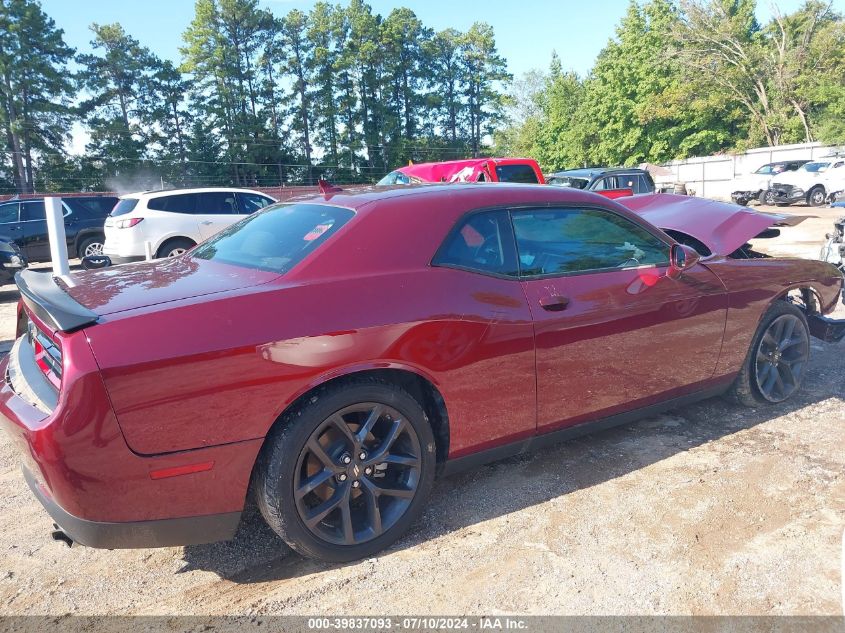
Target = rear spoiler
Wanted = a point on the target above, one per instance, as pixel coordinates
(50, 303)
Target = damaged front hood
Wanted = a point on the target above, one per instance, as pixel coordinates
(723, 227)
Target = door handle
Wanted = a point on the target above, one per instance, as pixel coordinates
(554, 303)
(206, 222)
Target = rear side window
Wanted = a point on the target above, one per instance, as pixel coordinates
(516, 173)
(182, 203)
(482, 242)
(252, 202)
(91, 207)
(275, 239)
(124, 206)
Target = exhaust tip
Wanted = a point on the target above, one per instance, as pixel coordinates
(59, 535)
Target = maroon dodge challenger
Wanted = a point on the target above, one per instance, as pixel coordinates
(326, 358)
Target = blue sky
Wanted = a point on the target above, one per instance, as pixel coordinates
(527, 31)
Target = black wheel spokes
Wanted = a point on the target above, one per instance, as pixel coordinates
(357, 474)
(781, 358)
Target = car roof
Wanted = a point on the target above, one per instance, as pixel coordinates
(591, 172)
(158, 193)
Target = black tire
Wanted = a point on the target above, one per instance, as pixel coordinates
(174, 247)
(92, 243)
(745, 389)
(816, 197)
(283, 462)
(742, 201)
(767, 197)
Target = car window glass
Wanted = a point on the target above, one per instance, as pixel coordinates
(627, 181)
(182, 203)
(33, 210)
(562, 241)
(9, 212)
(275, 239)
(603, 184)
(124, 206)
(516, 173)
(252, 202)
(216, 203)
(643, 185)
(482, 242)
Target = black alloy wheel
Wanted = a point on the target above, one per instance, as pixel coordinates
(781, 358)
(357, 474)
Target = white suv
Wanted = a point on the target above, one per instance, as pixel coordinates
(173, 221)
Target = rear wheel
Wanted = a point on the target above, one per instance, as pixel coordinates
(767, 197)
(777, 360)
(816, 197)
(346, 473)
(174, 247)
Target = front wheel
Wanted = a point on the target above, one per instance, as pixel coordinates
(816, 197)
(345, 474)
(777, 359)
(767, 197)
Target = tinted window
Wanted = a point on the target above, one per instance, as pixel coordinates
(603, 184)
(567, 181)
(33, 210)
(216, 203)
(183, 203)
(9, 212)
(573, 240)
(516, 173)
(91, 207)
(252, 202)
(275, 239)
(814, 167)
(482, 242)
(124, 206)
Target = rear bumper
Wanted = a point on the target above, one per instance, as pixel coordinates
(135, 534)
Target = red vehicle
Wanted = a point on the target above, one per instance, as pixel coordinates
(328, 357)
(524, 170)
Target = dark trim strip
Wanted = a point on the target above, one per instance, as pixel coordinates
(826, 329)
(50, 303)
(137, 534)
(459, 464)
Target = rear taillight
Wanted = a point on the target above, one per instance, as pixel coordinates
(128, 224)
(48, 354)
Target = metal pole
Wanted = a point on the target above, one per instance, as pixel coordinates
(148, 250)
(56, 234)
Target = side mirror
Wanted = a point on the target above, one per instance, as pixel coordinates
(681, 258)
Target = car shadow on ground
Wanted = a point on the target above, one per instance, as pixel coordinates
(256, 554)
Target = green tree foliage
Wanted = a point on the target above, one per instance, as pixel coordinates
(35, 89)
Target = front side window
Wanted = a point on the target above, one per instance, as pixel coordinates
(568, 181)
(516, 173)
(33, 210)
(816, 167)
(252, 202)
(9, 212)
(561, 241)
(607, 183)
(277, 238)
(216, 203)
(482, 242)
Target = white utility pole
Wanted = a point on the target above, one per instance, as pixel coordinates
(56, 233)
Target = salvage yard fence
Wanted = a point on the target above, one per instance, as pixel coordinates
(711, 176)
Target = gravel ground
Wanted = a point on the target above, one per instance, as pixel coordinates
(708, 509)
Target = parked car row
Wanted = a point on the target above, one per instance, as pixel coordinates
(787, 182)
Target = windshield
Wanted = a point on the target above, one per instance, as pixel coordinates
(394, 178)
(275, 239)
(816, 167)
(766, 169)
(568, 181)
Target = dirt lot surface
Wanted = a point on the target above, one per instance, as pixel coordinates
(708, 509)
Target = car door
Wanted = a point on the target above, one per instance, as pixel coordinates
(215, 211)
(613, 332)
(10, 226)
